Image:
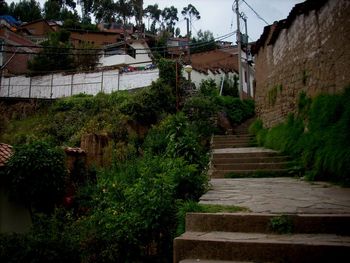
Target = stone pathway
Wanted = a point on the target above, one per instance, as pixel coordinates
(279, 195)
(317, 213)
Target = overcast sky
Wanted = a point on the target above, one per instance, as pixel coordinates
(217, 15)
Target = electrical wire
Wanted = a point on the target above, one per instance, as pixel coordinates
(256, 13)
(98, 49)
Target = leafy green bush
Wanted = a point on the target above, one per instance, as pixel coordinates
(230, 87)
(201, 111)
(52, 239)
(36, 175)
(237, 110)
(318, 136)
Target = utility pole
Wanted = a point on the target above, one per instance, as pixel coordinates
(247, 54)
(240, 87)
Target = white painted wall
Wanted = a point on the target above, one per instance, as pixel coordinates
(141, 59)
(59, 85)
(198, 77)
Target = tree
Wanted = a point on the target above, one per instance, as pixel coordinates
(104, 10)
(169, 15)
(190, 12)
(26, 10)
(60, 10)
(35, 175)
(153, 12)
(138, 12)
(86, 57)
(55, 55)
(52, 10)
(86, 9)
(124, 10)
(4, 8)
(204, 41)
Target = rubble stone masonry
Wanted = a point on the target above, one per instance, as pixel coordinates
(311, 53)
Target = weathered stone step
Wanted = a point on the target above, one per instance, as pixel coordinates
(211, 261)
(297, 248)
(261, 223)
(218, 155)
(232, 136)
(251, 166)
(232, 145)
(269, 159)
(238, 139)
(250, 173)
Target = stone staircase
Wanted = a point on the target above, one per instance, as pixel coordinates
(247, 237)
(251, 236)
(237, 155)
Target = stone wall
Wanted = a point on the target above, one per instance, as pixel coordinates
(309, 51)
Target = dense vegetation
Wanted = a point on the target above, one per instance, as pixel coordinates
(318, 136)
(130, 209)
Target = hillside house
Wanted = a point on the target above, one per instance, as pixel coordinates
(133, 52)
(39, 30)
(96, 38)
(177, 46)
(218, 64)
(12, 59)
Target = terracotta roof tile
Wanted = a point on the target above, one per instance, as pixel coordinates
(5, 153)
(214, 61)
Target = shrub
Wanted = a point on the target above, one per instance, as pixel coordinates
(36, 175)
(237, 110)
(319, 136)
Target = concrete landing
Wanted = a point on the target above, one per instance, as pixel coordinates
(279, 196)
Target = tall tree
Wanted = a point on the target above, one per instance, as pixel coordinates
(55, 55)
(86, 9)
(26, 10)
(190, 12)
(52, 10)
(124, 10)
(104, 10)
(153, 12)
(4, 8)
(169, 15)
(138, 11)
(204, 41)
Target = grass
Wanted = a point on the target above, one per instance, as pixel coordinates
(318, 137)
(282, 224)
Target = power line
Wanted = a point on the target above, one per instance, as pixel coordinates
(103, 49)
(256, 13)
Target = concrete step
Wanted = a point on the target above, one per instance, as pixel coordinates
(267, 172)
(338, 224)
(251, 166)
(233, 136)
(238, 139)
(261, 247)
(252, 154)
(232, 145)
(211, 261)
(268, 159)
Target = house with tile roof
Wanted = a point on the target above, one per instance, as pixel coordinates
(218, 64)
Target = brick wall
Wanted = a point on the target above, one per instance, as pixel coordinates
(311, 53)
